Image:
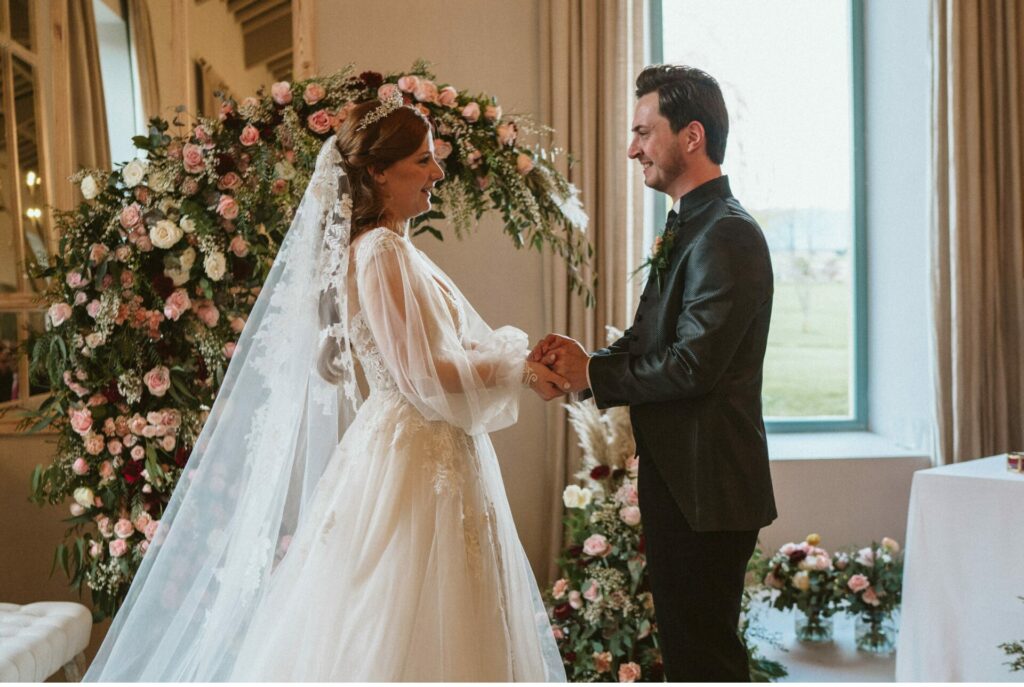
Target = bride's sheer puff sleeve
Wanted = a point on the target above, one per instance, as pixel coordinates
(444, 358)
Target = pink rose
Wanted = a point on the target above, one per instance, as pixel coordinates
(124, 528)
(426, 91)
(560, 588)
(80, 298)
(106, 470)
(167, 443)
(557, 633)
(473, 159)
(138, 453)
(81, 421)
(59, 313)
(602, 661)
(97, 252)
(130, 440)
(80, 466)
(158, 380)
(75, 279)
(597, 545)
(170, 418)
(447, 96)
(250, 135)
(576, 599)
(409, 83)
(173, 152)
(105, 526)
(201, 134)
(870, 597)
(229, 182)
(114, 447)
(281, 92)
(143, 547)
(627, 495)
(858, 583)
(153, 431)
(492, 112)
(237, 324)
(593, 592)
(94, 444)
(319, 122)
(190, 186)
(177, 304)
(387, 91)
(137, 424)
(471, 112)
(788, 549)
(229, 349)
(314, 93)
(633, 464)
(227, 207)
(130, 216)
(123, 253)
(442, 149)
(524, 163)
(93, 309)
(192, 157)
(225, 111)
(630, 515)
(866, 557)
(278, 186)
(118, 548)
(239, 246)
(507, 133)
(208, 313)
(151, 530)
(95, 549)
(629, 672)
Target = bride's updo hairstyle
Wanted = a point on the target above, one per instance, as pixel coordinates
(373, 148)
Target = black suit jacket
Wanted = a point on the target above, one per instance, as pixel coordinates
(690, 367)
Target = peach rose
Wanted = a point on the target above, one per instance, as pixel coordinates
(177, 304)
(602, 661)
(170, 418)
(408, 83)
(228, 182)
(208, 313)
(558, 591)
(629, 672)
(426, 91)
(137, 424)
(507, 133)
(239, 246)
(97, 252)
(192, 157)
(447, 96)
(870, 597)
(314, 93)
(597, 545)
(227, 207)
(281, 92)
(387, 91)
(237, 324)
(94, 444)
(492, 112)
(250, 135)
(442, 149)
(891, 544)
(471, 112)
(167, 443)
(106, 470)
(319, 122)
(59, 313)
(158, 380)
(138, 453)
(858, 583)
(524, 163)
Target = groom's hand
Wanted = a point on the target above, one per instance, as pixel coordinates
(565, 357)
(545, 382)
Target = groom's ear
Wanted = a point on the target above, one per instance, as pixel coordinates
(692, 137)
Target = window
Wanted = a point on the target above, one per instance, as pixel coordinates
(791, 76)
(120, 85)
(24, 222)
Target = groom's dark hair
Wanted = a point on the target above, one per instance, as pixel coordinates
(687, 94)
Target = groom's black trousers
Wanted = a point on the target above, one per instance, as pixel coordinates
(697, 582)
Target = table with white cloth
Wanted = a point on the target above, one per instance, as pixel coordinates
(963, 574)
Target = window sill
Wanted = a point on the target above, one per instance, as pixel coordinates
(829, 445)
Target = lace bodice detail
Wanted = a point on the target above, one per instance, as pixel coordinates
(369, 357)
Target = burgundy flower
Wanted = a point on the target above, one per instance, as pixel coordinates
(563, 611)
(132, 471)
(111, 393)
(241, 268)
(372, 80)
(163, 285)
(797, 556)
(575, 551)
(600, 472)
(225, 163)
(657, 672)
(641, 545)
(181, 456)
(570, 658)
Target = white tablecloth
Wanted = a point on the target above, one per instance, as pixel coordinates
(964, 573)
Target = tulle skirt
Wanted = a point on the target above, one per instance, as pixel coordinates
(406, 566)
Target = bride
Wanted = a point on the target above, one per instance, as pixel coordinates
(342, 516)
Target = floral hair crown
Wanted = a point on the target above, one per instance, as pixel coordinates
(388, 104)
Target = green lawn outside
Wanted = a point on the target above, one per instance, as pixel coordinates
(807, 370)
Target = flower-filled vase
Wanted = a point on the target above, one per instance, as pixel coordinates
(875, 632)
(813, 626)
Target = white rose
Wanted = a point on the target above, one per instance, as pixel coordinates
(165, 234)
(90, 189)
(84, 497)
(133, 173)
(188, 225)
(77, 509)
(188, 256)
(95, 340)
(179, 277)
(215, 265)
(576, 497)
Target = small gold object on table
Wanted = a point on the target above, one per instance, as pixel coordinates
(1015, 461)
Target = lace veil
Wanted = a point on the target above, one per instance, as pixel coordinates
(275, 423)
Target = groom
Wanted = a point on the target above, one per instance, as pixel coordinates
(690, 369)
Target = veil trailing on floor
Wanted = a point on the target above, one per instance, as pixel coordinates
(270, 433)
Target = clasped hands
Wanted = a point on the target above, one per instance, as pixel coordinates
(557, 366)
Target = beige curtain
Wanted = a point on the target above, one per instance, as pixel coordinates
(141, 31)
(90, 146)
(592, 51)
(977, 222)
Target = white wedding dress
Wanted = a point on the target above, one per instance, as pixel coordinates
(406, 564)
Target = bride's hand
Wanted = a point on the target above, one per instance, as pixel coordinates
(543, 381)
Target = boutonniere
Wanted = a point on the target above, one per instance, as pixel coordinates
(657, 261)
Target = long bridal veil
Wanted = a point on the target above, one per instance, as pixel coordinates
(274, 425)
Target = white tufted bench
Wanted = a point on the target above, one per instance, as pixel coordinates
(38, 639)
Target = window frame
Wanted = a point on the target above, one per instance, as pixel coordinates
(858, 420)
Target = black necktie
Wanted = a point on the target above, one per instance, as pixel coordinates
(670, 223)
